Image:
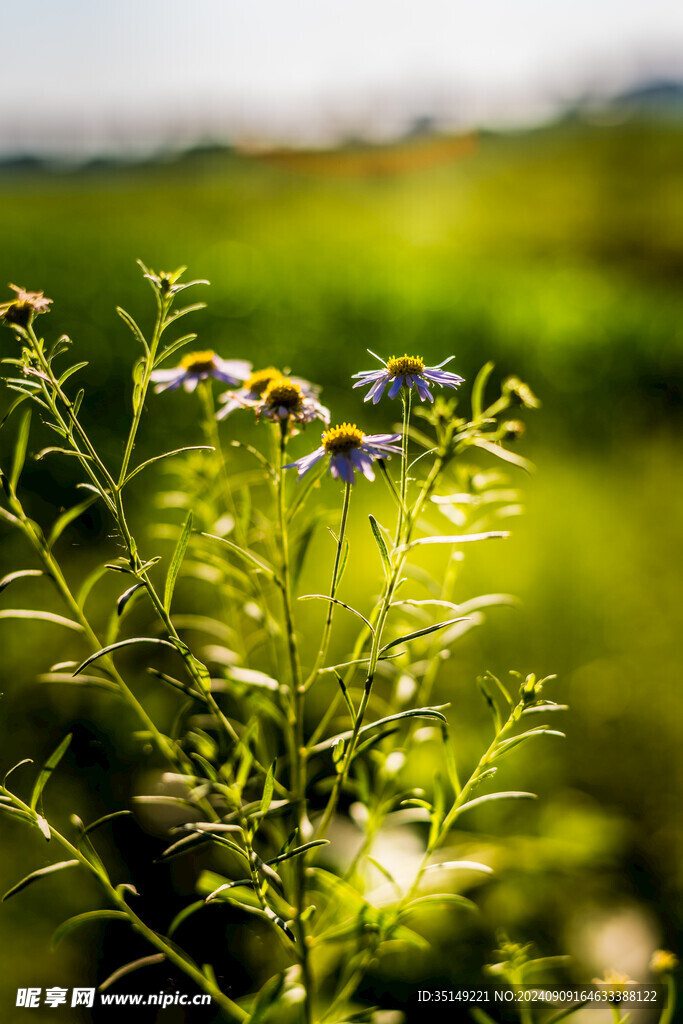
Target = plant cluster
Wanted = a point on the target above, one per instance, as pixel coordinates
(251, 774)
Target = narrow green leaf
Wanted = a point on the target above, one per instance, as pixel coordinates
(134, 965)
(42, 824)
(421, 632)
(20, 447)
(166, 455)
(504, 454)
(51, 450)
(173, 347)
(126, 596)
(79, 919)
(123, 643)
(268, 789)
(70, 372)
(183, 914)
(105, 817)
(48, 768)
(176, 561)
(508, 745)
(411, 713)
(437, 899)
(463, 538)
(298, 851)
(490, 797)
(27, 760)
(35, 875)
(334, 600)
(21, 574)
(478, 389)
(248, 556)
(381, 544)
(60, 524)
(251, 677)
(133, 327)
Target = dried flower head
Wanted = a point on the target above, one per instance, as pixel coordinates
(20, 311)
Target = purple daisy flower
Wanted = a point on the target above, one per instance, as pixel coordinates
(349, 449)
(406, 371)
(251, 393)
(199, 366)
(284, 399)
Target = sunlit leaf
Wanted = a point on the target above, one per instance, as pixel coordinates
(381, 545)
(20, 574)
(40, 873)
(124, 643)
(20, 447)
(47, 770)
(134, 965)
(60, 524)
(166, 455)
(421, 632)
(176, 561)
(90, 915)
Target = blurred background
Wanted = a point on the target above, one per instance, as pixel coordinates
(499, 183)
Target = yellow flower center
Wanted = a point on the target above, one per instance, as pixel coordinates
(198, 362)
(259, 381)
(283, 392)
(399, 365)
(342, 438)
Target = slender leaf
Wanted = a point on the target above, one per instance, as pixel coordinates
(21, 574)
(166, 455)
(126, 596)
(381, 544)
(60, 524)
(183, 914)
(504, 454)
(298, 851)
(20, 447)
(134, 965)
(70, 372)
(421, 632)
(478, 388)
(411, 713)
(79, 919)
(463, 538)
(334, 600)
(38, 615)
(176, 561)
(133, 327)
(124, 643)
(437, 899)
(105, 817)
(268, 789)
(173, 347)
(40, 873)
(47, 770)
(490, 797)
(248, 556)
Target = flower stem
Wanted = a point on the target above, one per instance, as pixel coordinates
(324, 643)
(298, 751)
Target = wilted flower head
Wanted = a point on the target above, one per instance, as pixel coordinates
(254, 387)
(349, 449)
(286, 400)
(199, 366)
(520, 392)
(20, 311)
(663, 961)
(406, 371)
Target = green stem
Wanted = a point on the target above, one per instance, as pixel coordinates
(163, 307)
(298, 751)
(324, 643)
(170, 950)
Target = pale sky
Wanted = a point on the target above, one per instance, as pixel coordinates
(103, 72)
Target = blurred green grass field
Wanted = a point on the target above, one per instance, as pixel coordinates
(556, 253)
